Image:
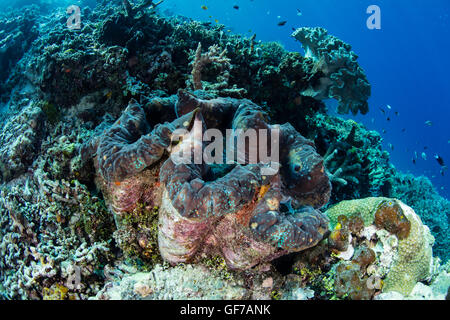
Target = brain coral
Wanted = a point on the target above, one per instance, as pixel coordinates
(342, 77)
(414, 254)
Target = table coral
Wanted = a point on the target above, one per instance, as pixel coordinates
(342, 78)
(413, 258)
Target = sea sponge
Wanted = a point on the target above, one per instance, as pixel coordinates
(414, 254)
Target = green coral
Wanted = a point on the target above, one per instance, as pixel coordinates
(414, 254)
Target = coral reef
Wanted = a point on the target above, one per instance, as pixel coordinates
(18, 29)
(92, 201)
(181, 282)
(340, 77)
(353, 157)
(55, 232)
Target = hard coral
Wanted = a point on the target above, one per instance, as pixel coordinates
(201, 60)
(239, 214)
(341, 76)
(20, 140)
(353, 156)
(413, 258)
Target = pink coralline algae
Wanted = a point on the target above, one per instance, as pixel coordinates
(240, 214)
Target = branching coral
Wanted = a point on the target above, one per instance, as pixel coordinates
(201, 60)
(229, 214)
(344, 172)
(354, 159)
(342, 78)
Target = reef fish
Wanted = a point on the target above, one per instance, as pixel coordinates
(204, 7)
(429, 123)
(282, 23)
(424, 156)
(299, 13)
(236, 7)
(439, 160)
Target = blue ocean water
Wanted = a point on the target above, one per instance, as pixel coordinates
(406, 62)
